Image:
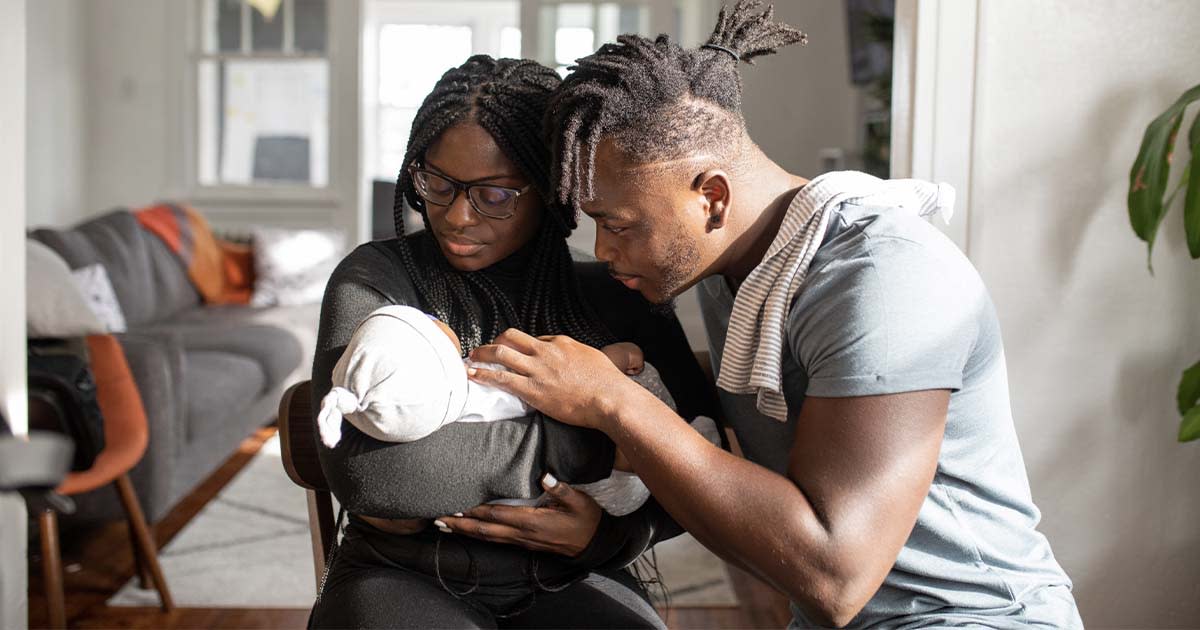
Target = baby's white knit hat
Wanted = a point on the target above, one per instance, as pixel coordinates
(400, 379)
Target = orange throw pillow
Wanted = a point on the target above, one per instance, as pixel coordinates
(238, 264)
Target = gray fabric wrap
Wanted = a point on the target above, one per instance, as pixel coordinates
(456, 468)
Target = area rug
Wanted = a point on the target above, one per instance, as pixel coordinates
(250, 548)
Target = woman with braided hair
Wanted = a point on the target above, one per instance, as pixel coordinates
(858, 354)
(493, 255)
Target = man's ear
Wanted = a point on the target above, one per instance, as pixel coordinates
(713, 185)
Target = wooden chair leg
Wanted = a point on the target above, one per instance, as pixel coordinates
(52, 573)
(145, 581)
(143, 539)
(315, 529)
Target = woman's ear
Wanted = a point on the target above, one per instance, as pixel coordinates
(713, 184)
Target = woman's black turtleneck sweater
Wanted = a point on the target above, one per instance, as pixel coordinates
(465, 464)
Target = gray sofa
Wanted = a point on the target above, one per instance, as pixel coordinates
(209, 376)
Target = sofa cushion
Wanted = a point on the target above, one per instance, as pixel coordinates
(150, 282)
(220, 386)
(291, 266)
(93, 283)
(54, 306)
(274, 350)
(298, 322)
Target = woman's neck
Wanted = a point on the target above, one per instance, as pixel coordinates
(516, 264)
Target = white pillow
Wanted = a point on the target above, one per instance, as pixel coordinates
(54, 306)
(97, 289)
(292, 266)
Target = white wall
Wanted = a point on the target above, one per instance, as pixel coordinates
(1095, 345)
(127, 94)
(14, 612)
(56, 148)
(98, 107)
(800, 100)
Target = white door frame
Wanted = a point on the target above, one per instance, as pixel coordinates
(935, 54)
(14, 602)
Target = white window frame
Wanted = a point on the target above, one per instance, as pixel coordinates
(279, 203)
(484, 21)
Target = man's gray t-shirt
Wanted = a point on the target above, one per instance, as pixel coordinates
(890, 305)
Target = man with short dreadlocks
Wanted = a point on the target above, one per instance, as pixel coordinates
(493, 254)
(858, 354)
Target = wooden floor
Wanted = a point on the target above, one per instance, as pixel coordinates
(98, 562)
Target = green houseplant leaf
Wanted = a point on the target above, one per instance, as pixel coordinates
(1189, 389)
(1147, 184)
(1189, 428)
(1152, 168)
(1191, 200)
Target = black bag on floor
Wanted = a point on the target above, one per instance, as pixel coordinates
(62, 398)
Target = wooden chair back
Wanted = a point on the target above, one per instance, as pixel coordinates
(298, 446)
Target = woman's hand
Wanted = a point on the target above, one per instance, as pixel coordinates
(563, 378)
(565, 526)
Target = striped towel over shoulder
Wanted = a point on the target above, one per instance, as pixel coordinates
(753, 356)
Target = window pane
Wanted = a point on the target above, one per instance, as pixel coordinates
(266, 26)
(403, 82)
(310, 24)
(510, 42)
(210, 115)
(574, 14)
(634, 19)
(612, 19)
(264, 121)
(222, 26)
(579, 28)
(573, 42)
(394, 126)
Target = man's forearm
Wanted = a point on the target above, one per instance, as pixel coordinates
(749, 515)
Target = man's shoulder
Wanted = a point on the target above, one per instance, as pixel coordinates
(884, 233)
(887, 249)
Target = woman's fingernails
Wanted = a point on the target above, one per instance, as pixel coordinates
(458, 514)
(550, 480)
(471, 371)
(440, 525)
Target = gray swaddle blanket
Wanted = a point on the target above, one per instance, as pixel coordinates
(401, 378)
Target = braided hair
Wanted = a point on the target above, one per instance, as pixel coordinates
(507, 98)
(657, 101)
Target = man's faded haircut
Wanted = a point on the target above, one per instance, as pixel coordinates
(657, 101)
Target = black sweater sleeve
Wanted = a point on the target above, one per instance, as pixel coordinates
(455, 468)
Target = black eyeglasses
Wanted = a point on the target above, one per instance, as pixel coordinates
(494, 202)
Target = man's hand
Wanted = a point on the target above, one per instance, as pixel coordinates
(565, 526)
(560, 377)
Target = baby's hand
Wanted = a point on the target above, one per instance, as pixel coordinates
(626, 356)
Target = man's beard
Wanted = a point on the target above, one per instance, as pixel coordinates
(675, 272)
(663, 309)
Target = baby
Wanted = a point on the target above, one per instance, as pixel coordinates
(402, 377)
